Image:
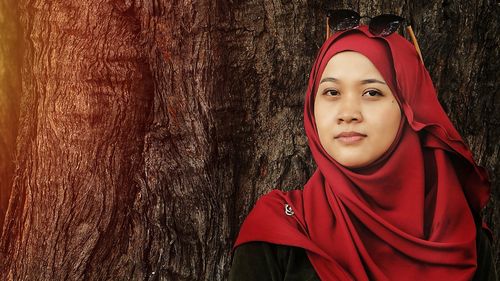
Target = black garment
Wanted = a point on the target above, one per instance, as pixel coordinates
(262, 261)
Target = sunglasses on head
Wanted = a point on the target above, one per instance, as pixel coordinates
(381, 25)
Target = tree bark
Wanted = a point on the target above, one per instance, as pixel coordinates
(86, 101)
(148, 129)
(10, 93)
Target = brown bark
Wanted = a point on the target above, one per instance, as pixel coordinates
(10, 92)
(149, 128)
(86, 100)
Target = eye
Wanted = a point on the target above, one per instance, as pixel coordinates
(331, 92)
(372, 93)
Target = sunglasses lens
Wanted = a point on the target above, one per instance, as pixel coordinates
(384, 25)
(343, 19)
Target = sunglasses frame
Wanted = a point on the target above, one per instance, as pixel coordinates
(358, 19)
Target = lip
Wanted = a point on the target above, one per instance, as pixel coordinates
(350, 137)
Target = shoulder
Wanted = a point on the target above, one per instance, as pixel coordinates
(267, 261)
(278, 202)
(275, 213)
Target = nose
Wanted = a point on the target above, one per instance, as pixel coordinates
(349, 111)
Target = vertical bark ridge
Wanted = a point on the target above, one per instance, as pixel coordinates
(10, 93)
(89, 82)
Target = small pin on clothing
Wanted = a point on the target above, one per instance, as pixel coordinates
(288, 210)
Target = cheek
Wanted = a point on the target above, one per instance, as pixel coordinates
(387, 123)
(325, 118)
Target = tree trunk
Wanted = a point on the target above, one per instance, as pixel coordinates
(10, 93)
(148, 129)
(86, 100)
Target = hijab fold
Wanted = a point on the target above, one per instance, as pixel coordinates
(410, 214)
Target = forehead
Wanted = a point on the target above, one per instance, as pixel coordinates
(350, 64)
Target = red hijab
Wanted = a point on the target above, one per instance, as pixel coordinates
(407, 215)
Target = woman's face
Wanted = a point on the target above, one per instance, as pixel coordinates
(357, 116)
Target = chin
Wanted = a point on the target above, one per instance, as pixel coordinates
(354, 161)
(354, 165)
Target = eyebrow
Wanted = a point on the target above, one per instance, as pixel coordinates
(365, 81)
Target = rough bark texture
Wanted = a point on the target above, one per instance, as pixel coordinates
(148, 129)
(84, 111)
(10, 93)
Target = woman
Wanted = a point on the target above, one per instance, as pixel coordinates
(396, 195)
